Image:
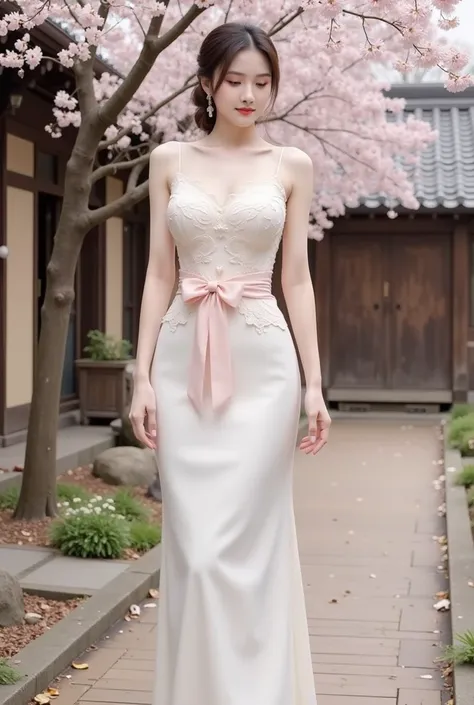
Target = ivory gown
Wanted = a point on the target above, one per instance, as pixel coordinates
(232, 626)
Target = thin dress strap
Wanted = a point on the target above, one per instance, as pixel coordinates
(179, 157)
(279, 161)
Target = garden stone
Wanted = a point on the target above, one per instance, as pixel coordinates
(33, 618)
(126, 465)
(154, 490)
(12, 609)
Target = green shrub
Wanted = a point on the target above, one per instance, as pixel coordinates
(67, 493)
(465, 476)
(91, 535)
(459, 428)
(8, 674)
(102, 527)
(105, 347)
(466, 446)
(459, 410)
(9, 498)
(463, 652)
(129, 506)
(144, 536)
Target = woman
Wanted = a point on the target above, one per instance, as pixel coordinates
(221, 401)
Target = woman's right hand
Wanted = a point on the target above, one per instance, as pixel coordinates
(143, 414)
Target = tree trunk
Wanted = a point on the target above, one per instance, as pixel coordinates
(38, 491)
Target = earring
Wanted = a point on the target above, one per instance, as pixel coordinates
(210, 108)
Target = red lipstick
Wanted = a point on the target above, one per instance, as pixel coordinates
(245, 111)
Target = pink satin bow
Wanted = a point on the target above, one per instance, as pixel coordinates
(212, 329)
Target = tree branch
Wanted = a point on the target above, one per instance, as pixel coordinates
(330, 144)
(119, 206)
(134, 175)
(285, 21)
(84, 73)
(112, 169)
(105, 144)
(152, 47)
(228, 11)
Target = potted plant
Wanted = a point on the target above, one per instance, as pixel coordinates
(101, 376)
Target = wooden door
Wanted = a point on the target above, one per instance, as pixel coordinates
(358, 327)
(390, 313)
(420, 350)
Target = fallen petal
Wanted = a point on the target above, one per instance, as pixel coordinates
(442, 605)
(42, 699)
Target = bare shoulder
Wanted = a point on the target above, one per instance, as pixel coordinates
(298, 162)
(164, 151)
(298, 167)
(164, 160)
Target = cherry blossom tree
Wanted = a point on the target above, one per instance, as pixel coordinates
(330, 104)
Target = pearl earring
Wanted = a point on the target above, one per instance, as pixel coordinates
(210, 109)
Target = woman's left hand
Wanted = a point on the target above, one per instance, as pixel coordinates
(319, 422)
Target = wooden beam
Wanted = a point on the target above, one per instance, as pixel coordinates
(3, 278)
(322, 288)
(461, 266)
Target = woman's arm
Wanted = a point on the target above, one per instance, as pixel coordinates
(299, 296)
(161, 270)
(159, 282)
(295, 277)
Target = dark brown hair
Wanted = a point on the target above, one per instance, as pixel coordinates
(216, 54)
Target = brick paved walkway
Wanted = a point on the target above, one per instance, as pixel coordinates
(366, 514)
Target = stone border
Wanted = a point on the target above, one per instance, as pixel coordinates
(461, 568)
(51, 653)
(83, 456)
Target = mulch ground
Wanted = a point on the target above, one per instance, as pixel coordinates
(23, 533)
(14, 638)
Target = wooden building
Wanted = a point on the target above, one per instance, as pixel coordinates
(112, 265)
(395, 297)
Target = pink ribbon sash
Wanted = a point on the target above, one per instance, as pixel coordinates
(211, 336)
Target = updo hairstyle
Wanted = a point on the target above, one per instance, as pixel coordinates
(217, 53)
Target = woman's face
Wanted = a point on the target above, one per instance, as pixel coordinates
(245, 92)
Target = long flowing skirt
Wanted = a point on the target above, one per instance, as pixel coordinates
(232, 626)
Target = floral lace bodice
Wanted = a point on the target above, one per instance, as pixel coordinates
(217, 240)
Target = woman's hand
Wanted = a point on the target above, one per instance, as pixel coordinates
(319, 421)
(143, 414)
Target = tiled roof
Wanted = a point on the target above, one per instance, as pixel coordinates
(444, 177)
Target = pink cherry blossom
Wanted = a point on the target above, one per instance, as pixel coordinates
(448, 23)
(330, 103)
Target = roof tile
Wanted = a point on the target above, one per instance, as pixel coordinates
(444, 176)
